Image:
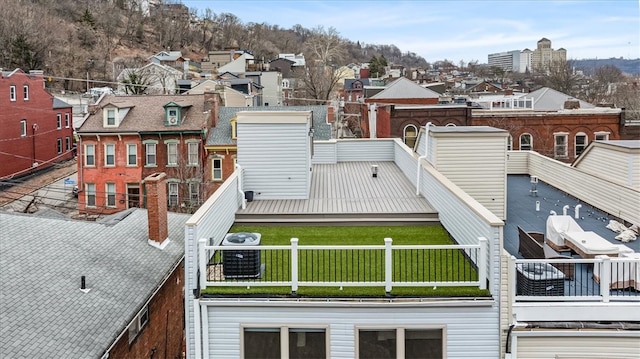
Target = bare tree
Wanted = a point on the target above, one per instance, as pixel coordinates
(325, 50)
(560, 77)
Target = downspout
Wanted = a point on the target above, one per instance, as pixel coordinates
(240, 190)
(426, 151)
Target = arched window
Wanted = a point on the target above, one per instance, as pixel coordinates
(526, 142)
(410, 134)
(580, 143)
(450, 125)
(509, 143)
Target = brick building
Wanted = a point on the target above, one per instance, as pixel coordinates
(35, 128)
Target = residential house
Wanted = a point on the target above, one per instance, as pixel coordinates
(298, 59)
(169, 58)
(154, 79)
(222, 147)
(284, 66)
(126, 138)
(80, 289)
(271, 82)
(218, 58)
(354, 89)
(36, 128)
(404, 91)
(242, 84)
(228, 96)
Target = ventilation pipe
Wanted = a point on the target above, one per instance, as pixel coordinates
(565, 209)
(576, 215)
(240, 190)
(553, 213)
(537, 206)
(426, 152)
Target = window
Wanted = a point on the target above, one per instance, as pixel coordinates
(67, 123)
(150, 154)
(25, 90)
(67, 143)
(192, 148)
(560, 145)
(194, 192)
(110, 155)
(23, 128)
(173, 194)
(58, 121)
(12, 93)
(216, 169)
(410, 134)
(172, 153)
(111, 117)
(601, 136)
(91, 194)
(59, 145)
(276, 342)
(526, 142)
(90, 155)
(139, 322)
(111, 194)
(450, 124)
(581, 142)
(132, 154)
(509, 143)
(414, 342)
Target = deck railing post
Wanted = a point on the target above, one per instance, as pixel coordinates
(294, 265)
(512, 280)
(388, 265)
(605, 278)
(202, 253)
(482, 262)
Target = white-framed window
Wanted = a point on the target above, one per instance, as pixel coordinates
(172, 153)
(216, 169)
(111, 194)
(284, 342)
(132, 154)
(89, 155)
(58, 121)
(67, 121)
(111, 117)
(450, 124)
(526, 142)
(90, 190)
(509, 143)
(410, 134)
(580, 143)
(560, 145)
(109, 154)
(601, 136)
(59, 145)
(172, 194)
(67, 143)
(194, 192)
(23, 128)
(415, 343)
(150, 154)
(139, 322)
(193, 150)
(12, 93)
(25, 92)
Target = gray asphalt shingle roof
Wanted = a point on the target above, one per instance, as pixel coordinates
(403, 88)
(42, 310)
(221, 134)
(549, 99)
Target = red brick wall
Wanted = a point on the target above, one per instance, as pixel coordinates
(17, 152)
(228, 167)
(165, 331)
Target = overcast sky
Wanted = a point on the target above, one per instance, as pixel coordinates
(458, 29)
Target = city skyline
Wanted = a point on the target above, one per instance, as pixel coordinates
(459, 30)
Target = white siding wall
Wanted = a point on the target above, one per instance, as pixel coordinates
(476, 163)
(616, 166)
(324, 152)
(365, 150)
(212, 220)
(276, 159)
(471, 328)
(518, 162)
(577, 345)
(620, 201)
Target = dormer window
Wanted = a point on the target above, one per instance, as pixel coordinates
(173, 114)
(111, 117)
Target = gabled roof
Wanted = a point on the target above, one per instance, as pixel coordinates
(147, 114)
(548, 99)
(403, 88)
(221, 134)
(58, 103)
(44, 313)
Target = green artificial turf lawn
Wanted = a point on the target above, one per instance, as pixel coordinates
(334, 266)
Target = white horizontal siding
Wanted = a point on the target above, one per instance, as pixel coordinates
(518, 162)
(471, 332)
(365, 150)
(615, 166)
(276, 159)
(578, 346)
(324, 152)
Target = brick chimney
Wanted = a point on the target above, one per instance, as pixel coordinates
(212, 104)
(571, 104)
(156, 187)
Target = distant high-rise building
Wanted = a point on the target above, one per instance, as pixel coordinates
(508, 61)
(543, 56)
(526, 60)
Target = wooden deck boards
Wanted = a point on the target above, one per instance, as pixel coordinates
(348, 187)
